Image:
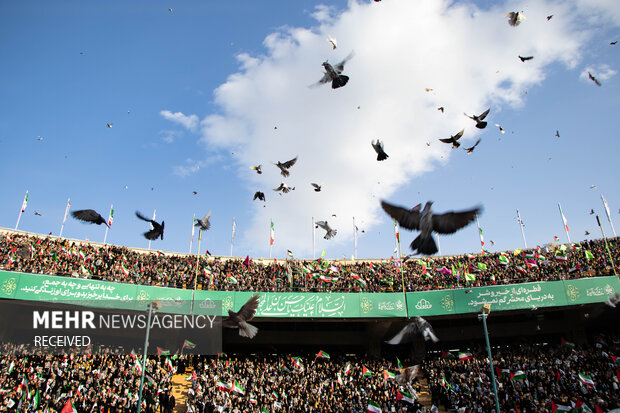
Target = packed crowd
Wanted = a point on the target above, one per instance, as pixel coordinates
(53, 256)
(530, 378)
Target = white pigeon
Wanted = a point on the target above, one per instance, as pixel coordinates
(284, 188)
(330, 232)
(612, 300)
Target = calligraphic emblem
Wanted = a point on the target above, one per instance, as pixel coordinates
(423, 304)
(228, 303)
(143, 296)
(366, 305)
(609, 290)
(447, 303)
(400, 305)
(572, 292)
(9, 286)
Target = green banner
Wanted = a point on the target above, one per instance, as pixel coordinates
(430, 303)
(591, 290)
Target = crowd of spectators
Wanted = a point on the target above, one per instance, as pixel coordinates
(56, 256)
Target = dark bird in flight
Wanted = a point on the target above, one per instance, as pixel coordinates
(259, 195)
(240, 320)
(441, 109)
(334, 73)
(109, 125)
(284, 188)
(479, 119)
(587, 233)
(502, 130)
(514, 18)
(378, 147)
(204, 223)
(157, 229)
(258, 168)
(524, 58)
(454, 139)
(613, 43)
(285, 166)
(470, 150)
(595, 80)
(418, 327)
(427, 222)
(557, 133)
(317, 187)
(89, 215)
(549, 17)
(330, 232)
(37, 213)
(591, 212)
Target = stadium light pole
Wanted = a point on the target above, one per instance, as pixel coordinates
(153, 306)
(485, 310)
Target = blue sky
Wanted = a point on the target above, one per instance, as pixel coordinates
(232, 72)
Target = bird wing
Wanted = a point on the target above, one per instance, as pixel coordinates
(249, 309)
(484, 114)
(280, 187)
(290, 163)
(152, 234)
(317, 186)
(323, 224)
(340, 66)
(472, 148)
(206, 218)
(143, 218)
(405, 335)
(405, 217)
(450, 222)
(458, 135)
(88, 215)
(447, 140)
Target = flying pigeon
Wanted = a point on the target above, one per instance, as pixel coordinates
(239, 320)
(157, 229)
(195, 192)
(441, 109)
(418, 326)
(258, 169)
(407, 375)
(284, 188)
(500, 128)
(427, 222)
(378, 147)
(479, 119)
(332, 41)
(612, 300)
(428, 89)
(592, 186)
(557, 133)
(613, 43)
(524, 58)
(595, 80)
(317, 187)
(37, 213)
(259, 195)
(514, 18)
(334, 74)
(587, 233)
(453, 139)
(285, 166)
(591, 211)
(204, 223)
(89, 215)
(39, 138)
(492, 242)
(109, 125)
(330, 232)
(170, 10)
(549, 17)
(470, 150)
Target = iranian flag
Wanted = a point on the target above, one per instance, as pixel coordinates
(568, 344)
(69, 407)
(465, 356)
(168, 364)
(559, 408)
(404, 396)
(517, 375)
(322, 355)
(297, 363)
(339, 380)
(326, 278)
(274, 395)
(138, 366)
(253, 399)
(12, 367)
(223, 386)
(585, 379)
(521, 269)
(396, 231)
(124, 269)
(111, 217)
(347, 369)
(25, 203)
(366, 372)
(373, 407)
(561, 257)
(231, 279)
(273, 234)
(236, 387)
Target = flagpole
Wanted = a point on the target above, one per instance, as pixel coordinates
(65, 217)
(354, 239)
(153, 220)
(521, 225)
(400, 258)
(198, 258)
(608, 215)
(232, 236)
(313, 240)
(105, 237)
(480, 233)
(611, 261)
(191, 240)
(564, 222)
(270, 238)
(22, 209)
(438, 244)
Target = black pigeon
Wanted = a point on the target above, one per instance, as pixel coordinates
(37, 213)
(587, 233)
(334, 73)
(454, 139)
(524, 58)
(330, 232)
(441, 109)
(317, 187)
(427, 222)
(195, 192)
(257, 168)
(285, 166)
(378, 147)
(549, 17)
(470, 150)
(479, 123)
(284, 188)
(418, 326)
(595, 80)
(591, 212)
(89, 215)
(259, 195)
(157, 229)
(613, 43)
(239, 320)
(557, 133)
(502, 130)
(204, 223)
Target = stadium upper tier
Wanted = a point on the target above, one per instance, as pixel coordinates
(31, 253)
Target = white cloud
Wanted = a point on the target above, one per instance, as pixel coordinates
(189, 122)
(466, 54)
(191, 166)
(601, 72)
(169, 136)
